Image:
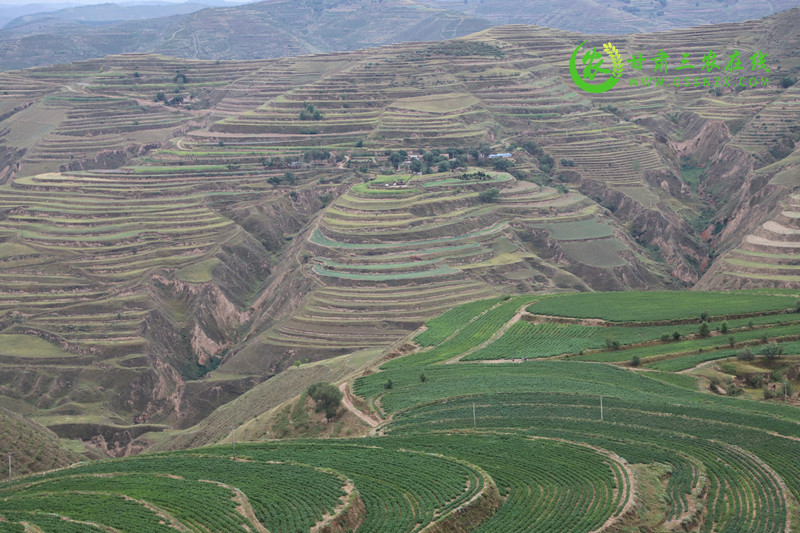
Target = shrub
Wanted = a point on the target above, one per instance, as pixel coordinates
(489, 195)
(612, 344)
(755, 380)
(728, 368)
(665, 337)
(676, 336)
(388, 384)
(723, 328)
(636, 361)
(745, 355)
(704, 330)
(704, 316)
(734, 390)
(422, 377)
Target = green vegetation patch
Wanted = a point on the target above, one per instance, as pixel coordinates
(12, 249)
(441, 327)
(200, 272)
(437, 103)
(591, 228)
(17, 345)
(600, 253)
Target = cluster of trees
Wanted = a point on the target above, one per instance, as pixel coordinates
(316, 154)
(444, 160)
(288, 177)
(311, 113)
(161, 97)
(772, 350)
(546, 161)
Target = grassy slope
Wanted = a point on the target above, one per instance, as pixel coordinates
(34, 448)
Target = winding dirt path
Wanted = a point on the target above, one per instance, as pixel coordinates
(348, 403)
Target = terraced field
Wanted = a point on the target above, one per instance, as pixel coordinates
(726, 456)
(348, 483)
(173, 232)
(546, 445)
(768, 255)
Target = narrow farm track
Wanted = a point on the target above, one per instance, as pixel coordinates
(347, 401)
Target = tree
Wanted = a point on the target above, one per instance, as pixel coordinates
(772, 350)
(422, 377)
(704, 330)
(723, 328)
(745, 355)
(395, 158)
(502, 164)
(274, 181)
(489, 195)
(327, 397)
(612, 344)
(636, 361)
(416, 165)
(676, 336)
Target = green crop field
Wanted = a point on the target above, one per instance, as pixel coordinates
(643, 307)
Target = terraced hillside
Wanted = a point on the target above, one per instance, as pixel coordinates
(554, 443)
(173, 232)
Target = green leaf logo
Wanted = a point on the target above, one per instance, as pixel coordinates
(616, 59)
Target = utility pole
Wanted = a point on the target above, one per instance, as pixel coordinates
(601, 408)
(474, 420)
(233, 439)
(9, 469)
